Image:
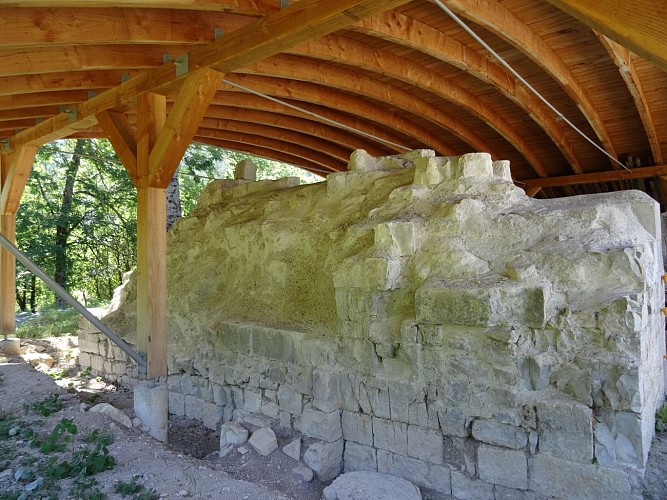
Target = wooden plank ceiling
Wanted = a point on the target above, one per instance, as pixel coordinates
(405, 78)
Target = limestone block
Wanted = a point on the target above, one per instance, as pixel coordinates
(398, 238)
(390, 436)
(350, 402)
(232, 433)
(246, 170)
(556, 477)
(263, 186)
(417, 471)
(425, 444)
(484, 303)
(504, 467)
(536, 370)
(264, 441)
(85, 359)
(373, 273)
(454, 422)
(361, 161)
(501, 168)
(465, 488)
(491, 432)
(209, 414)
(341, 184)
(326, 390)
(357, 427)
(285, 419)
(360, 457)
(401, 396)
(222, 395)
(566, 430)
(293, 449)
(433, 171)
(325, 459)
(370, 486)
(176, 404)
(321, 425)
(270, 409)
(503, 493)
(289, 400)
(379, 401)
(621, 437)
(113, 413)
(252, 400)
(473, 165)
(303, 472)
(280, 345)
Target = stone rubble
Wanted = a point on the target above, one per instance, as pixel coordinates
(419, 316)
(264, 441)
(370, 486)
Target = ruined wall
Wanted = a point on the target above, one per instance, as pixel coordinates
(422, 317)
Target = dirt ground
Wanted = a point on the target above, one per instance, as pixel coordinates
(189, 466)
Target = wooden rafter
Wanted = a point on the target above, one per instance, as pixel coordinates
(409, 32)
(592, 178)
(638, 25)
(243, 7)
(122, 137)
(501, 21)
(276, 32)
(622, 58)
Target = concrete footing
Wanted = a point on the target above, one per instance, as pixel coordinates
(10, 347)
(151, 402)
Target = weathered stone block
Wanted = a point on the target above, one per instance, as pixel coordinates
(473, 165)
(379, 401)
(326, 459)
(465, 488)
(418, 472)
(505, 467)
(489, 302)
(320, 425)
(390, 436)
(566, 430)
(176, 404)
(499, 434)
(357, 427)
(557, 477)
(264, 441)
(290, 400)
(425, 444)
(326, 390)
(398, 238)
(232, 433)
(246, 170)
(501, 168)
(252, 400)
(359, 457)
(209, 414)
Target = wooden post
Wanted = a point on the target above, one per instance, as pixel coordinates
(7, 277)
(151, 241)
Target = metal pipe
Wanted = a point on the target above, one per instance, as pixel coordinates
(80, 308)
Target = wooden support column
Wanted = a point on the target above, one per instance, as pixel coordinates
(8, 277)
(151, 241)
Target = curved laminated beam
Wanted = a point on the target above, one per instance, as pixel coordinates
(210, 125)
(638, 25)
(269, 154)
(303, 152)
(321, 73)
(502, 22)
(312, 93)
(352, 53)
(622, 58)
(406, 31)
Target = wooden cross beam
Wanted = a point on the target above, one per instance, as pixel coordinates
(594, 177)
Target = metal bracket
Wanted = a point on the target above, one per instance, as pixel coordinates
(166, 58)
(6, 144)
(284, 3)
(181, 63)
(218, 33)
(91, 94)
(124, 78)
(72, 112)
(38, 120)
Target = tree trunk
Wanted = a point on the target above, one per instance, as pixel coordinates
(33, 293)
(63, 223)
(174, 210)
(21, 296)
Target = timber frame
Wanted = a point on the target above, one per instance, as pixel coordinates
(385, 76)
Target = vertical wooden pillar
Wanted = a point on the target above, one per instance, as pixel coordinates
(151, 241)
(8, 277)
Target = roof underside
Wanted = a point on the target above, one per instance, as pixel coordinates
(409, 78)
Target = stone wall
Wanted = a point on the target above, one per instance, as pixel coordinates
(420, 316)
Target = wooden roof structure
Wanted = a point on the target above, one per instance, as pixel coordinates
(309, 81)
(407, 76)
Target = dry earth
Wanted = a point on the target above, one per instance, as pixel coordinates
(189, 466)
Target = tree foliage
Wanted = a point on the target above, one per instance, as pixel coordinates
(77, 218)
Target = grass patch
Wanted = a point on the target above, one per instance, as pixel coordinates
(47, 406)
(50, 323)
(133, 487)
(661, 419)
